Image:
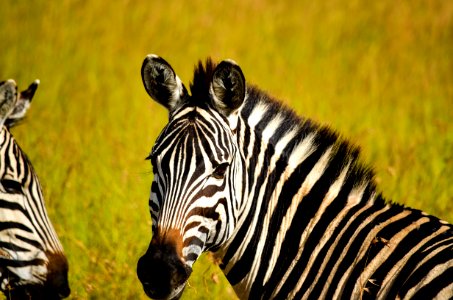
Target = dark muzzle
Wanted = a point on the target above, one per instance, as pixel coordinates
(162, 272)
(57, 278)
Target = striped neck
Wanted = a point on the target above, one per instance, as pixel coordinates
(29, 239)
(293, 170)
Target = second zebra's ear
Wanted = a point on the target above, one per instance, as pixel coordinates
(8, 98)
(161, 82)
(228, 87)
(23, 102)
(14, 106)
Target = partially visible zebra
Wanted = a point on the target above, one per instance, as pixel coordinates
(283, 203)
(32, 263)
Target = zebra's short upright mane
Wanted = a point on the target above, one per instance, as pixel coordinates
(199, 87)
(324, 137)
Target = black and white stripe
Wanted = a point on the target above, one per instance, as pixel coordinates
(32, 263)
(284, 203)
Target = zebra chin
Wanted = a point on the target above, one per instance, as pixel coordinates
(162, 272)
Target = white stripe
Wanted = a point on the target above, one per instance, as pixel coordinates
(257, 114)
(302, 151)
(445, 293)
(270, 129)
(305, 188)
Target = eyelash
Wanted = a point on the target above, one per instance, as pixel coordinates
(220, 170)
(11, 186)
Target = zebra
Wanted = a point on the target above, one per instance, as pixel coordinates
(283, 203)
(32, 262)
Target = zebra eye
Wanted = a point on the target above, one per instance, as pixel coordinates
(220, 171)
(11, 186)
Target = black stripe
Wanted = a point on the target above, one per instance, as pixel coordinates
(33, 243)
(4, 204)
(417, 276)
(191, 257)
(433, 288)
(244, 263)
(240, 236)
(12, 246)
(14, 225)
(21, 263)
(193, 240)
(245, 138)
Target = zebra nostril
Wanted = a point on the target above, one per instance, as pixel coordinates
(161, 271)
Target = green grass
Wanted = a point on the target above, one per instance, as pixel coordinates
(380, 72)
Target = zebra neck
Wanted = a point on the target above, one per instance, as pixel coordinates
(29, 199)
(294, 174)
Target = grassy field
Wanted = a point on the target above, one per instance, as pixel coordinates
(379, 72)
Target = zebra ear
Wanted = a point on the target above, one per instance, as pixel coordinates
(228, 87)
(12, 106)
(161, 82)
(8, 96)
(23, 102)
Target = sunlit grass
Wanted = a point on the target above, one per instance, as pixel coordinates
(378, 72)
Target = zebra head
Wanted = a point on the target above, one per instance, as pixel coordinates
(32, 263)
(195, 164)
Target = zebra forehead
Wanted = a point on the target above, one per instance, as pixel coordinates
(192, 126)
(196, 114)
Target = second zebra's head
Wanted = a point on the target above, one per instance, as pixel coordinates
(195, 164)
(32, 263)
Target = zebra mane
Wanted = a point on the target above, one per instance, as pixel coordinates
(343, 151)
(199, 87)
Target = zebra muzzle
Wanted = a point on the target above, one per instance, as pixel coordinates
(162, 272)
(57, 278)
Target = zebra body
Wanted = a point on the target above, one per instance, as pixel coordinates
(32, 263)
(284, 203)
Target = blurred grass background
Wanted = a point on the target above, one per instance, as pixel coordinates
(379, 72)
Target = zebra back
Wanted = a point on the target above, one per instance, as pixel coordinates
(285, 204)
(32, 262)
